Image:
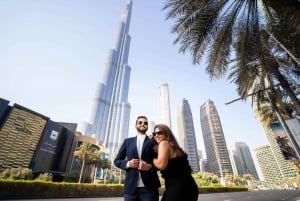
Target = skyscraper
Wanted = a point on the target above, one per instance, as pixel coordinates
(284, 163)
(186, 133)
(236, 162)
(110, 113)
(245, 156)
(215, 145)
(164, 105)
(268, 164)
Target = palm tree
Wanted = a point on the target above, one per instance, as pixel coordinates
(286, 11)
(264, 109)
(250, 75)
(275, 110)
(99, 162)
(238, 37)
(87, 152)
(215, 26)
(227, 31)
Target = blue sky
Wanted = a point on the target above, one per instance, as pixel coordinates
(52, 57)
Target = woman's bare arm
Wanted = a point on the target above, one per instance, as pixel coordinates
(161, 162)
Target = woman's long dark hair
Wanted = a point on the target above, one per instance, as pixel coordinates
(170, 137)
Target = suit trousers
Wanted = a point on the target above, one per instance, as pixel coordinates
(142, 194)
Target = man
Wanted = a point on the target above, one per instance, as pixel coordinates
(135, 157)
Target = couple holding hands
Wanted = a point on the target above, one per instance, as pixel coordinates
(143, 156)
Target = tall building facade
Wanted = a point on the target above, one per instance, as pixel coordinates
(203, 165)
(164, 105)
(268, 164)
(235, 162)
(151, 125)
(282, 138)
(276, 159)
(19, 137)
(281, 157)
(186, 134)
(294, 127)
(218, 160)
(31, 140)
(247, 164)
(110, 112)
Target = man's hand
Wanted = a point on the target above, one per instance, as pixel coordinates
(134, 163)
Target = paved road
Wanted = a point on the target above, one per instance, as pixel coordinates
(282, 195)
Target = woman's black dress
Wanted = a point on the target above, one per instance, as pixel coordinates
(179, 183)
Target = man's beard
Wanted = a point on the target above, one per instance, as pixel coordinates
(143, 130)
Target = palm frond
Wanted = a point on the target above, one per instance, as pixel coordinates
(219, 51)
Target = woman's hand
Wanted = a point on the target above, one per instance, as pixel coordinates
(144, 166)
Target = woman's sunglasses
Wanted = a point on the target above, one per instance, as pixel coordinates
(158, 133)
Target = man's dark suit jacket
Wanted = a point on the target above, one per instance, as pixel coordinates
(127, 152)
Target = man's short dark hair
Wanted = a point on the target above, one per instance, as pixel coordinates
(140, 117)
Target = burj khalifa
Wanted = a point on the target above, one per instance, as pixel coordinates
(110, 112)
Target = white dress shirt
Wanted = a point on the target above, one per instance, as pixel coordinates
(139, 145)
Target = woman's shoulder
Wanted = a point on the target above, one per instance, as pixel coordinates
(164, 143)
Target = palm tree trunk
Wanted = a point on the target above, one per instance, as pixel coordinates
(284, 48)
(95, 173)
(81, 171)
(288, 12)
(285, 85)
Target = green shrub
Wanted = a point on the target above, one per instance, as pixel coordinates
(44, 177)
(11, 189)
(72, 177)
(33, 189)
(17, 174)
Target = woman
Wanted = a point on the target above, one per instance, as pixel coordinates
(174, 167)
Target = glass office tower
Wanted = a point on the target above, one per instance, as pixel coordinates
(248, 166)
(186, 133)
